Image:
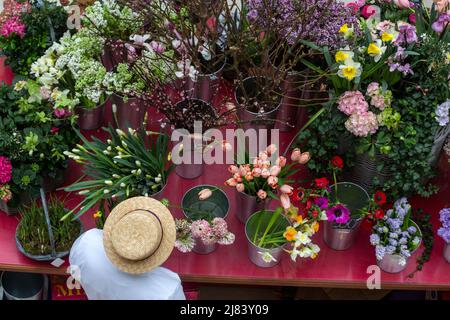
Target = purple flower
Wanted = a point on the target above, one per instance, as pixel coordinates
(444, 231)
(321, 202)
(407, 34)
(390, 249)
(380, 251)
(412, 230)
(374, 239)
(394, 224)
(440, 24)
(442, 113)
(339, 213)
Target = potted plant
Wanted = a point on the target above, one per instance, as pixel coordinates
(32, 234)
(205, 209)
(27, 29)
(120, 168)
(395, 237)
(33, 137)
(444, 231)
(258, 181)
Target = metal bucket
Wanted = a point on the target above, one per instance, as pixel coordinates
(160, 194)
(217, 205)
(247, 205)
(391, 263)
(447, 252)
(354, 197)
(24, 198)
(205, 87)
(23, 286)
(256, 253)
(130, 114)
(251, 119)
(439, 140)
(90, 119)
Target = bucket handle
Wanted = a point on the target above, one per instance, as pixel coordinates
(47, 220)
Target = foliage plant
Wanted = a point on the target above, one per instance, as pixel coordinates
(33, 234)
(43, 24)
(120, 168)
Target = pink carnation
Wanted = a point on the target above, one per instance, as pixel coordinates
(352, 102)
(5, 170)
(13, 25)
(200, 228)
(362, 124)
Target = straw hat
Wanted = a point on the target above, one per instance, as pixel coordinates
(139, 235)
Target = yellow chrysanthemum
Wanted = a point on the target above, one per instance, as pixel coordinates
(344, 28)
(290, 234)
(341, 56)
(387, 37)
(373, 49)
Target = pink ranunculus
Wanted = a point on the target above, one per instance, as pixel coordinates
(272, 182)
(200, 228)
(368, 11)
(412, 18)
(5, 170)
(285, 201)
(287, 189)
(262, 194)
(281, 161)
(240, 187)
(275, 171)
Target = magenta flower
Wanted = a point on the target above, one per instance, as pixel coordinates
(13, 25)
(440, 24)
(339, 213)
(407, 34)
(5, 170)
(321, 202)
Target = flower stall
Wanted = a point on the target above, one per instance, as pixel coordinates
(294, 143)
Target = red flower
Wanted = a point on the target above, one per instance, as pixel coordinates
(315, 213)
(322, 182)
(337, 162)
(54, 130)
(298, 195)
(379, 214)
(380, 198)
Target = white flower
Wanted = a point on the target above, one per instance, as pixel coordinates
(301, 239)
(267, 257)
(108, 182)
(350, 69)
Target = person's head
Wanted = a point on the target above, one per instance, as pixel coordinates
(139, 235)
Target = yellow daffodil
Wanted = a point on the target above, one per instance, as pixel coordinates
(315, 226)
(346, 31)
(301, 238)
(376, 50)
(349, 70)
(387, 37)
(344, 28)
(341, 56)
(290, 234)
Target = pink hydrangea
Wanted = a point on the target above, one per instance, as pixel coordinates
(378, 102)
(373, 89)
(200, 228)
(362, 124)
(13, 25)
(353, 102)
(5, 170)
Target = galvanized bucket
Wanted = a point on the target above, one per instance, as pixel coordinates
(441, 137)
(447, 252)
(217, 205)
(354, 197)
(206, 85)
(24, 198)
(130, 112)
(247, 205)
(90, 119)
(251, 119)
(23, 286)
(392, 263)
(256, 253)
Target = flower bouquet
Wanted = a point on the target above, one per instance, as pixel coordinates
(395, 237)
(120, 168)
(444, 231)
(260, 181)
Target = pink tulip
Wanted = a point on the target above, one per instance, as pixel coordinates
(237, 177)
(244, 169)
(262, 194)
(204, 194)
(263, 156)
(403, 4)
(275, 171)
(265, 173)
(249, 176)
(295, 156)
(265, 164)
(256, 172)
(271, 149)
(281, 161)
(240, 187)
(233, 169)
(285, 201)
(231, 182)
(272, 182)
(256, 163)
(304, 158)
(287, 189)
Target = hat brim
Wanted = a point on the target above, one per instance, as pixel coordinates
(167, 242)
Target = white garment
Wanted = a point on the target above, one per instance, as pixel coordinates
(101, 280)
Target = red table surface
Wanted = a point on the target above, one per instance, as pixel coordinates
(230, 264)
